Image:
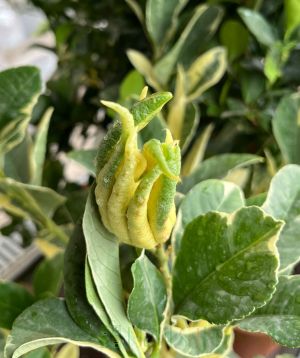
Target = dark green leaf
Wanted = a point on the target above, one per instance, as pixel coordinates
(286, 127)
(148, 298)
(13, 300)
(234, 37)
(74, 286)
(202, 26)
(226, 266)
(47, 280)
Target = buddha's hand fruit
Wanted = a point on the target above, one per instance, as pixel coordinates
(135, 188)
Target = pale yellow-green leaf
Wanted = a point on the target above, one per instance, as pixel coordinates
(196, 154)
(178, 106)
(144, 66)
(206, 71)
(68, 351)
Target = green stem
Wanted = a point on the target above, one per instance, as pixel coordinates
(163, 258)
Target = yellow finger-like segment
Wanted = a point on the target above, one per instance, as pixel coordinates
(125, 116)
(161, 208)
(137, 214)
(123, 189)
(105, 181)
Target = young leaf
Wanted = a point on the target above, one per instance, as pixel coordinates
(13, 300)
(103, 257)
(143, 111)
(283, 202)
(210, 195)
(217, 167)
(258, 26)
(48, 322)
(147, 301)
(226, 266)
(85, 157)
(280, 318)
(202, 26)
(156, 129)
(196, 341)
(39, 148)
(286, 127)
(19, 89)
(161, 18)
(206, 71)
(48, 277)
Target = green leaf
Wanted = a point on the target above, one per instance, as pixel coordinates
(283, 202)
(258, 26)
(39, 353)
(48, 277)
(132, 84)
(161, 18)
(85, 157)
(279, 318)
(196, 341)
(202, 25)
(210, 195)
(13, 300)
(48, 322)
(286, 127)
(74, 288)
(40, 146)
(256, 200)
(148, 299)
(292, 16)
(206, 71)
(253, 85)
(143, 111)
(144, 66)
(103, 257)
(154, 129)
(226, 266)
(217, 167)
(18, 161)
(234, 37)
(19, 89)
